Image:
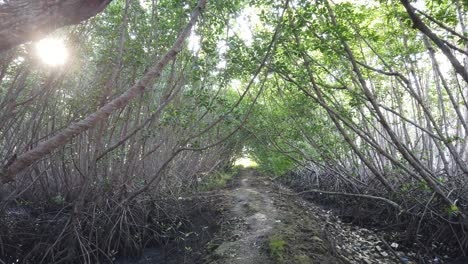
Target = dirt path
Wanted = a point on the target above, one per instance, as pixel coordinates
(263, 225)
(251, 216)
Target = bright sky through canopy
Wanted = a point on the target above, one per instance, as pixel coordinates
(245, 162)
(52, 51)
(194, 42)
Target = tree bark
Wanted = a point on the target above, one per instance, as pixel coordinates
(419, 24)
(26, 20)
(7, 174)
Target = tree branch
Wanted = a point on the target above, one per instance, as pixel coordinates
(419, 24)
(26, 20)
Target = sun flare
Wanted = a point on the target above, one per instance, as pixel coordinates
(245, 162)
(52, 51)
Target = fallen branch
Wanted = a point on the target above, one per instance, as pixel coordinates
(390, 202)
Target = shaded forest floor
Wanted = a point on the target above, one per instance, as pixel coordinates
(260, 221)
(260, 225)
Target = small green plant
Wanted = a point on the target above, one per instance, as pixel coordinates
(302, 259)
(277, 248)
(453, 209)
(58, 199)
(217, 180)
(23, 202)
(406, 187)
(424, 186)
(237, 167)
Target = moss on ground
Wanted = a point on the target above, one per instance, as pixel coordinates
(217, 180)
(277, 248)
(302, 259)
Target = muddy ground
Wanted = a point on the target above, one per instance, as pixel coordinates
(261, 222)
(263, 226)
(254, 220)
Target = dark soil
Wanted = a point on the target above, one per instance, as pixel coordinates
(190, 245)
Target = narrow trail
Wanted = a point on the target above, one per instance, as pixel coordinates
(253, 216)
(262, 225)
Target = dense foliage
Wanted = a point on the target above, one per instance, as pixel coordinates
(362, 102)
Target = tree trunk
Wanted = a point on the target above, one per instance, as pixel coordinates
(26, 20)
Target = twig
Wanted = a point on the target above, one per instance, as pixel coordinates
(424, 213)
(392, 203)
